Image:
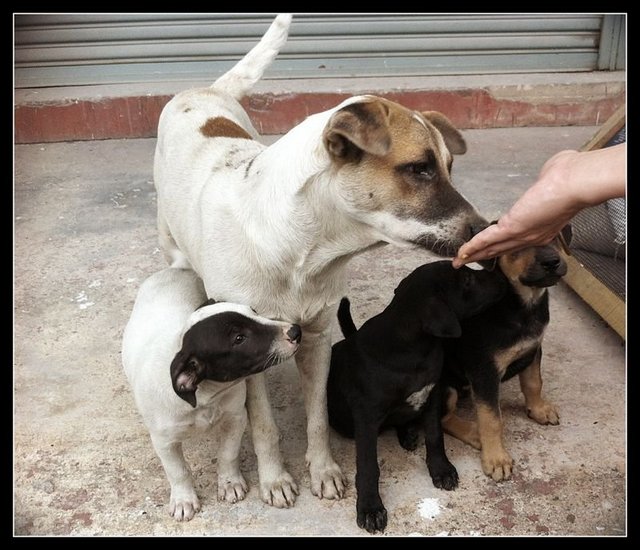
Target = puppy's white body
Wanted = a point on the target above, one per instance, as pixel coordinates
(165, 308)
(274, 226)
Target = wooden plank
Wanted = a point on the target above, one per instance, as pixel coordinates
(607, 130)
(606, 303)
(603, 301)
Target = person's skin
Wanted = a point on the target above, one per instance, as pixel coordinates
(568, 182)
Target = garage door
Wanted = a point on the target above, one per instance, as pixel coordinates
(81, 49)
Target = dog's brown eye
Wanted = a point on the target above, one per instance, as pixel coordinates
(424, 170)
(239, 339)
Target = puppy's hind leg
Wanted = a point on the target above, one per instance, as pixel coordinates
(538, 408)
(184, 501)
(464, 430)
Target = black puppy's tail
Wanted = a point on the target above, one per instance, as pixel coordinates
(347, 325)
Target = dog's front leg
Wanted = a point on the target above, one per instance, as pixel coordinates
(496, 461)
(443, 474)
(277, 487)
(371, 513)
(538, 408)
(184, 501)
(313, 360)
(232, 486)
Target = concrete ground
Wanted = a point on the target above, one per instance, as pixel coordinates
(85, 238)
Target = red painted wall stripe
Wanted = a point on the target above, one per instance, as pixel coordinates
(137, 117)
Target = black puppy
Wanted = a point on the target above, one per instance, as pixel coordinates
(500, 342)
(383, 374)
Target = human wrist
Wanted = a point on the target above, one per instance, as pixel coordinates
(562, 182)
(593, 177)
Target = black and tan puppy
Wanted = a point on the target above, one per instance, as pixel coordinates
(500, 342)
(383, 374)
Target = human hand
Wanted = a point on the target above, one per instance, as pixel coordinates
(535, 219)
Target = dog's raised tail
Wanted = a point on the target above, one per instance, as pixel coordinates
(345, 320)
(242, 77)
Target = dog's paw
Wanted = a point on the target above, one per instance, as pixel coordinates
(232, 490)
(544, 413)
(445, 477)
(408, 437)
(327, 482)
(497, 464)
(373, 519)
(279, 492)
(183, 505)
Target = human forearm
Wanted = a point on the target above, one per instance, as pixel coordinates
(596, 176)
(568, 182)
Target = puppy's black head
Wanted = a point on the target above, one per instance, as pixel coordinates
(440, 296)
(467, 291)
(228, 345)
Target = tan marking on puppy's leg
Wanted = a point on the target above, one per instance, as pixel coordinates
(541, 410)
(223, 127)
(464, 430)
(496, 461)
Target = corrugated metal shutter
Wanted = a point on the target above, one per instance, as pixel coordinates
(72, 49)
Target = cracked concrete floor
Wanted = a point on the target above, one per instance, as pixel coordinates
(83, 463)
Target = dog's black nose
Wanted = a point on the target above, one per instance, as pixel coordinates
(294, 334)
(475, 229)
(552, 264)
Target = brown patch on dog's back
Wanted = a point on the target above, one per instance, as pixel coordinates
(223, 127)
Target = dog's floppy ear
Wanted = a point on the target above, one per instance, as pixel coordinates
(186, 374)
(452, 137)
(438, 319)
(364, 125)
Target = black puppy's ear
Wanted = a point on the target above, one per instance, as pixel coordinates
(185, 376)
(439, 320)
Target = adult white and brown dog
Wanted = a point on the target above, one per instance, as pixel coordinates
(186, 359)
(274, 227)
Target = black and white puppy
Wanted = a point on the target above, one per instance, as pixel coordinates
(186, 362)
(383, 374)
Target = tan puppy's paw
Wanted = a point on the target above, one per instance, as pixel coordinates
(497, 464)
(544, 413)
